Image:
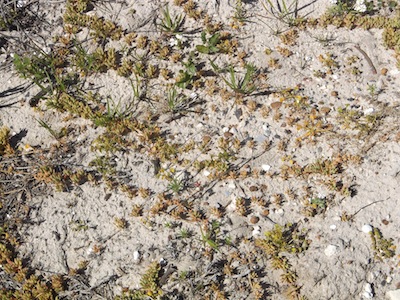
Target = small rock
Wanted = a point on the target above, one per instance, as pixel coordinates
(330, 250)
(334, 93)
(366, 228)
(384, 71)
(265, 213)
(254, 220)
(367, 295)
(253, 188)
(276, 105)
(266, 167)
(333, 227)
(231, 185)
(136, 255)
(279, 211)
(256, 231)
(206, 173)
(325, 110)
(368, 111)
(368, 288)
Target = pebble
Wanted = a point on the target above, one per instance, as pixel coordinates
(136, 255)
(367, 295)
(206, 173)
(330, 250)
(231, 185)
(266, 167)
(333, 227)
(368, 290)
(279, 211)
(368, 111)
(366, 228)
(254, 220)
(393, 295)
(256, 230)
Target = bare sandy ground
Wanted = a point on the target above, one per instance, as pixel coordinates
(80, 224)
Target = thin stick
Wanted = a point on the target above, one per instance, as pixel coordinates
(367, 58)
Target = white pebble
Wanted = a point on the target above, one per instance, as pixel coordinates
(368, 111)
(367, 295)
(225, 129)
(206, 173)
(193, 95)
(366, 228)
(368, 288)
(330, 250)
(256, 231)
(136, 255)
(280, 211)
(199, 125)
(231, 185)
(333, 227)
(266, 167)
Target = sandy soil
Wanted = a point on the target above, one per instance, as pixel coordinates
(82, 223)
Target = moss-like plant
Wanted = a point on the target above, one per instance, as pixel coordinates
(149, 286)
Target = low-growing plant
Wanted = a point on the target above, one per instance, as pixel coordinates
(187, 77)
(210, 45)
(170, 24)
(284, 11)
(383, 248)
(56, 134)
(176, 102)
(149, 286)
(241, 85)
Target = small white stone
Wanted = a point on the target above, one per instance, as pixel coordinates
(367, 295)
(280, 211)
(89, 251)
(206, 173)
(265, 167)
(136, 255)
(256, 231)
(199, 125)
(389, 279)
(366, 228)
(369, 111)
(231, 185)
(368, 288)
(225, 129)
(333, 227)
(193, 95)
(233, 130)
(330, 250)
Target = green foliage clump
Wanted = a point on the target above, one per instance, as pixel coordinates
(383, 248)
(149, 286)
(285, 238)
